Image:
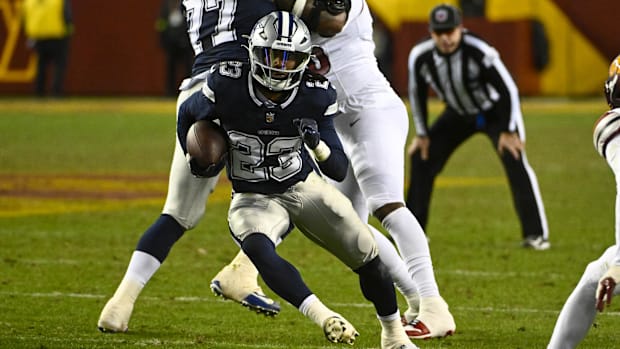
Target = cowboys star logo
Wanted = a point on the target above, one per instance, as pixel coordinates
(270, 116)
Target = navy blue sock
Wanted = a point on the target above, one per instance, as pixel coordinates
(377, 287)
(158, 239)
(280, 275)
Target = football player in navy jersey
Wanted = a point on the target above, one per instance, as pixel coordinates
(372, 126)
(273, 111)
(217, 32)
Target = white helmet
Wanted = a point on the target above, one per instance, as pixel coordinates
(279, 48)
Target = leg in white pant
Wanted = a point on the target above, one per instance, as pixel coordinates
(579, 311)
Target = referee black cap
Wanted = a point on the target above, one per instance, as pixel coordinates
(444, 17)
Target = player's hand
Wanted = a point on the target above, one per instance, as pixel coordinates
(510, 141)
(204, 172)
(421, 144)
(309, 131)
(606, 286)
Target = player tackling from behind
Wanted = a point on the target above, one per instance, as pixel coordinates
(270, 108)
(598, 282)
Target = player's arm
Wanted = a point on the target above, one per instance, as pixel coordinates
(337, 163)
(199, 106)
(324, 17)
(322, 139)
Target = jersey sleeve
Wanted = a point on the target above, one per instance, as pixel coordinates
(336, 165)
(199, 106)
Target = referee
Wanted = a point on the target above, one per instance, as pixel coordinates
(468, 75)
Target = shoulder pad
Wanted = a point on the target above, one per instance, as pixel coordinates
(606, 128)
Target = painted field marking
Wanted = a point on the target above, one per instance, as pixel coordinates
(220, 300)
(31, 195)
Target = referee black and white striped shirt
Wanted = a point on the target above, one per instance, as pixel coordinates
(471, 80)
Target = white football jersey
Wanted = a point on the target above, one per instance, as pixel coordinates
(350, 53)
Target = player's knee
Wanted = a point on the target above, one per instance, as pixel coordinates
(259, 248)
(384, 210)
(188, 220)
(374, 269)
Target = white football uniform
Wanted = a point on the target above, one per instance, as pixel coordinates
(373, 129)
(374, 122)
(579, 311)
(187, 195)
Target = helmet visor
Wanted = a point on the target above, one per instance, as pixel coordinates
(280, 60)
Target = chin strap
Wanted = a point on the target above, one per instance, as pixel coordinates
(298, 7)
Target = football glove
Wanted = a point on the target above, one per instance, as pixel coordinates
(606, 286)
(205, 172)
(309, 131)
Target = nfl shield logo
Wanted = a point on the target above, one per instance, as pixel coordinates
(270, 116)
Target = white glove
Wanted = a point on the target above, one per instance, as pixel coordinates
(606, 286)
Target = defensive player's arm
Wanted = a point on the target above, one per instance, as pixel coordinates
(324, 17)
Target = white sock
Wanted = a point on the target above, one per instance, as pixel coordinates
(315, 310)
(391, 325)
(141, 267)
(396, 266)
(413, 246)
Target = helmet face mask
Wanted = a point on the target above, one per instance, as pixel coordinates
(279, 49)
(612, 84)
(612, 91)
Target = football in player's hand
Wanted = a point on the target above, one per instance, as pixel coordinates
(207, 143)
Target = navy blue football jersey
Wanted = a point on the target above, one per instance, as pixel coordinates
(267, 154)
(217, 28)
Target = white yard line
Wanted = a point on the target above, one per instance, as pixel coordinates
(344, 305)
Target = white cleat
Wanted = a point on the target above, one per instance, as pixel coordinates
(338, 330)
(115, 316)
(396, 340)
(232, 283)
(117, 311)
(434, 321)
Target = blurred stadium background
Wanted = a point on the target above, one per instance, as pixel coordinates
(552, 47)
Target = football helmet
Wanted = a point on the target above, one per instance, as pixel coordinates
(279, 49)
(612, 85)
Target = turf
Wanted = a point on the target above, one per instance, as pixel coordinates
(81, 179)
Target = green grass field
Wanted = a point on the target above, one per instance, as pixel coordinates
(81, 179)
